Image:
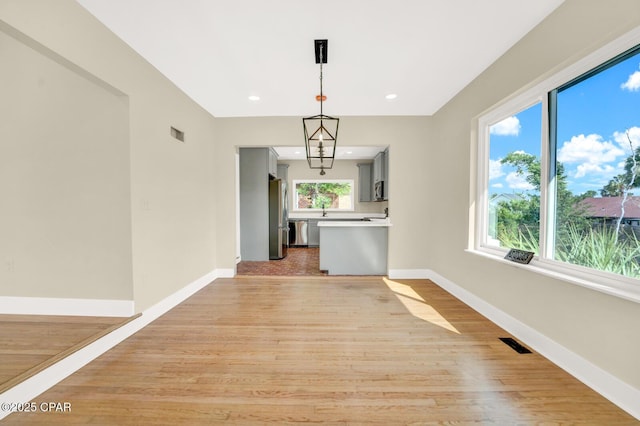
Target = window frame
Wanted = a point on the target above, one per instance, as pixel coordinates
(606, 282)
(484, 124)
(294, 192)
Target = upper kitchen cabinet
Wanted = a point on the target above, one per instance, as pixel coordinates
(378, 167)
(283, 172)
(381, 175)
(273, 163)
(385, 175)
(365, 182)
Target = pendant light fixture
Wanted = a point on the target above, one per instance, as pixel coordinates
(320, 131)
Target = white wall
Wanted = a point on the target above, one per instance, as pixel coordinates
(600, 328)
(171, 209)
(64, 176)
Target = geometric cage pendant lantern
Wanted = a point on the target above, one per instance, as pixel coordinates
(320, 131)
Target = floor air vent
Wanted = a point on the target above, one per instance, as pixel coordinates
(515, 345)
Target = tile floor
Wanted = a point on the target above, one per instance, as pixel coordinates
(299, 261)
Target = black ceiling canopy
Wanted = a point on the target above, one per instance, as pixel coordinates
(322, 43)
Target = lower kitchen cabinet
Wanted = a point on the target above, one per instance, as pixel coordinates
(313, 233)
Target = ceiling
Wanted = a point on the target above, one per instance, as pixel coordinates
(342, 152)
(221, 52)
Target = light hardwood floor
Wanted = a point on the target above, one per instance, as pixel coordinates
(29, 342)
(258, 350)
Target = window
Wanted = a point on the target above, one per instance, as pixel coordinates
(559, 171)
(323, 194)
(514, 180)
(596, 119)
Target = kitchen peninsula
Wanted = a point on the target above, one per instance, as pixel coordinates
(354, 247)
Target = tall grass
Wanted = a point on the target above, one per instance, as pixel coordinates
(599, 248)
(520, 238)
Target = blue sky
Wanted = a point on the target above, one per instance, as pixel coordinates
(593, 117)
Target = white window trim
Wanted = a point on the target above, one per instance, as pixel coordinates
(295, 194)
(612, 284)
(519, 104)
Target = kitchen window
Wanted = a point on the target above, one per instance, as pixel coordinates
(327, 194)
(558, 166)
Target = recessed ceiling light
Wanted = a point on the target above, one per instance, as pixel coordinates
(391, 96)
(254, 98)
(349, 152)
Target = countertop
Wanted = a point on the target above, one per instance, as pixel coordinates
(382, 222)
(334, 216)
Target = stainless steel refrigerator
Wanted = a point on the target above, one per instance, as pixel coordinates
(278, 219)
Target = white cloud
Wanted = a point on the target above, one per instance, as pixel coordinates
(495, 169)
(633, 82)
(497, 185)
(586, 168)
(621, 138)
(508, 127)
(589, 149)
(516, 181)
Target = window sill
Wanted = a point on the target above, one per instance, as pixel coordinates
(607, 285)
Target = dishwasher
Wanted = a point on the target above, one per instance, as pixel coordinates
(298, 233)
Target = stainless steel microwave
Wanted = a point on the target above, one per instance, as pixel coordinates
(378, 191)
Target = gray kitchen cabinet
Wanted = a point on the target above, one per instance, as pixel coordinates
(365, 182)
(378, 167)
(381, 173)
(283, 172)
(385, 175)
(313, 233)
(272, 162)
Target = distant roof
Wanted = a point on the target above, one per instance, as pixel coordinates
(610, 207)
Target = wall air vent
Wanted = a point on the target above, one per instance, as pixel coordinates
(177, 134)
(515, 345)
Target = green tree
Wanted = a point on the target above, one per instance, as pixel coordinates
(319, 194)
(588, 194)
(615, 187)
(527, 165)
(621, 183)
(522, 216)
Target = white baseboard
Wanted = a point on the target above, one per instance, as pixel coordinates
(615, 390)
(35, 385)
(226, 273)
(59, 306)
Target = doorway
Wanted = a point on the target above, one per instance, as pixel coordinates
(300, 261)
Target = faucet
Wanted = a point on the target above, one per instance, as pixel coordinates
(324, 212)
